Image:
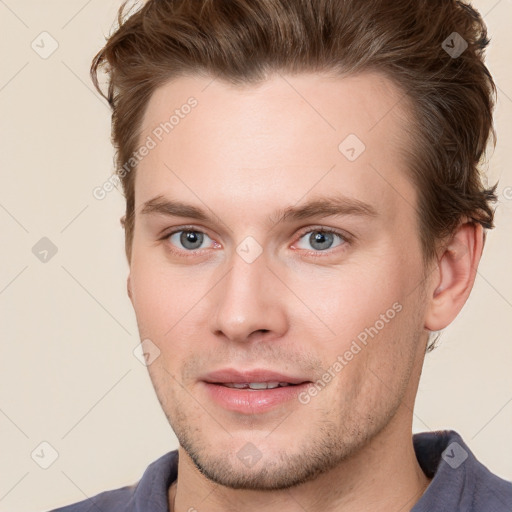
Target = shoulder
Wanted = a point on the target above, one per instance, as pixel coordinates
(118, 499)
(459, 480)
(151, 488)
(491, 493)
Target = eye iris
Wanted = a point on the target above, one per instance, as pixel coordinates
(192, 237)
(324, 239)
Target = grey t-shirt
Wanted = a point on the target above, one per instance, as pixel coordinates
(460, 482)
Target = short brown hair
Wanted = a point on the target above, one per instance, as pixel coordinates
(241, 41)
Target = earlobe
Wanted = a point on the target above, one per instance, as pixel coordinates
(456, 274)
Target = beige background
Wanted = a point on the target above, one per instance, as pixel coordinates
(68, 373)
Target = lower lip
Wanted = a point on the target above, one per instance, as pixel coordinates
(249, 401)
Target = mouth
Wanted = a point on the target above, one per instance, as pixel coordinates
(253, 391)
(255, 379)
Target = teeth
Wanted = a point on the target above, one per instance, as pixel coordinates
(263, 385)
(255, 385)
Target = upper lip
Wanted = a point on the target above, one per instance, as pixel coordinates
(230, 375)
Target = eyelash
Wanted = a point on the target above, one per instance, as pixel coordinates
(345, 238)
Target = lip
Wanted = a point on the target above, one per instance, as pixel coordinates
(247, 401)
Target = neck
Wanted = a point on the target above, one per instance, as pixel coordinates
(384, 476)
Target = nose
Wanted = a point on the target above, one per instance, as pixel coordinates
(249, 302)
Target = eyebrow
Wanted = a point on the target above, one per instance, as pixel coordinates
(328, 206)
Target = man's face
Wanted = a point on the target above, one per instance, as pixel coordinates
(246, 294)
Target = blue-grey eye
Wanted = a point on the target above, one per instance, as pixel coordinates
(189, 240)
(320, 240)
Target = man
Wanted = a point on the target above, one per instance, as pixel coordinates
(303, 210)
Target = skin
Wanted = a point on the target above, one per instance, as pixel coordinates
(241, 155)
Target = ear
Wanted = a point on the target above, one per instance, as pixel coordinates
(128, 283)
(129, 287)
(455, 274)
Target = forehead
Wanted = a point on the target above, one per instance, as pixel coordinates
(277, 141)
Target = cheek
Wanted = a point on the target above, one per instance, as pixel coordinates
(157, 298)
(150, 297)
(351, 299)
(168, 307)
(376, 319)
(376, 363)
